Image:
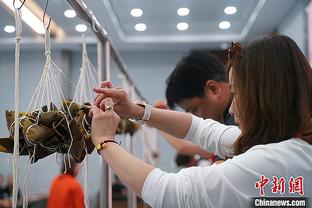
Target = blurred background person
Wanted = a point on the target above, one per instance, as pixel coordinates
(66, 192)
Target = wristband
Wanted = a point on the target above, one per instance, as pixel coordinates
(103, 145)
(147, 112)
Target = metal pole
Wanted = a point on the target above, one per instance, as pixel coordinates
(105, 177)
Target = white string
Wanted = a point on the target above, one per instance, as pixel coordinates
(25, 184)
(18, 24)
(65, 164)
(61, 97)
(49, 89)
(87, 79)
(85, 180)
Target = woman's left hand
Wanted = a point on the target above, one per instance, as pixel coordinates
(104, 124)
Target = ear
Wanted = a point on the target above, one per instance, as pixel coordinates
(213, 87)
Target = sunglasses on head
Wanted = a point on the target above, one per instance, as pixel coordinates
(235, 48)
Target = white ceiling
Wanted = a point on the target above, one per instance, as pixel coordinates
(253, 18)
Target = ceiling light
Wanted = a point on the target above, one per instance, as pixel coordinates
(81, 28)
(70, 13)
(9, 29)
(140, 27)
(182, 26)
(224, 25)
(230, 10)
(27, 16)
(183, 11)
(136, 12)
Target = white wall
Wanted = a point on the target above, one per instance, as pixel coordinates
(294, 25)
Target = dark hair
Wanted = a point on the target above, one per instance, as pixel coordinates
(273, 84)
(190, 75)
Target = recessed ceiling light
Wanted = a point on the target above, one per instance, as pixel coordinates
(182, 26)
(9, 29)
(70, 13)
(224, 25)
(183, 11)
(230, 10)
(81, 28)
(140, 27)
(136, 12)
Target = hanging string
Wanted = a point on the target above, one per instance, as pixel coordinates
(88, 79)
(85, 179)
(49, 90)
(25, 184)
(18, 23)
(47, 47)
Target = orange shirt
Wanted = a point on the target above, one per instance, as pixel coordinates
(65, 192)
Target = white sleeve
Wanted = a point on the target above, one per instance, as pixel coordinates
(233, 182)
(197, 187)
(213, 136)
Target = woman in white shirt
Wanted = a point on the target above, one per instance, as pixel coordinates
(271, 155)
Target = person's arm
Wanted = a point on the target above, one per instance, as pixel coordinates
(185, 147)
(161, 189)
(171, 122)
(229, 184)
(129, 169)
(207, 134)
(182, 146)
(213, 136)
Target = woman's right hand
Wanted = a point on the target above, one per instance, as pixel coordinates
(123, 106)
(104, 124)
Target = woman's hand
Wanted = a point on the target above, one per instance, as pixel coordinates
(123, 106)
(104, 124)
